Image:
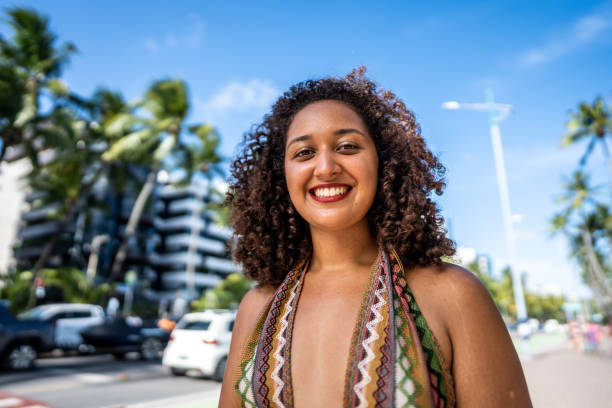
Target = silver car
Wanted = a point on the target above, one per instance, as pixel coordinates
(69, 320)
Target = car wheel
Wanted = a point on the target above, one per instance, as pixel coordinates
(220, 370)
(119, 356)
(21, 357)
(177, 371)
(151, 349)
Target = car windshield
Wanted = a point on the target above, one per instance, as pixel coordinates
(193, 325)
(35, 313)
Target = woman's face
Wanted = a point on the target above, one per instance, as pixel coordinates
(331, 165)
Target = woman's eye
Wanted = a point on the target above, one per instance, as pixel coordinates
(303, 153)
(348, 147)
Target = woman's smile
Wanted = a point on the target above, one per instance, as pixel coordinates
(327, 193)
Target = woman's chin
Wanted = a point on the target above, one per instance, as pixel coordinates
(334, 225)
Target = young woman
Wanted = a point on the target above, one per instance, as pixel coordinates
(333, 218)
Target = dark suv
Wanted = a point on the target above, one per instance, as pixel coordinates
(21, 341)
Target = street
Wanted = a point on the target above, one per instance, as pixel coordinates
(566, 379)
(100, 381)
(557, 378)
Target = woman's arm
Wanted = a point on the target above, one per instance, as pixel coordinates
(486, 369)
(251, 306)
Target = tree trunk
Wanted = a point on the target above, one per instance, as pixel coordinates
(603, 301)
(72, 208)
(92, 264)
(133, 221)
(596, 268)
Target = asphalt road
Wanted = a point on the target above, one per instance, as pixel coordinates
(566, 379)
(100, 381)
(559, 378)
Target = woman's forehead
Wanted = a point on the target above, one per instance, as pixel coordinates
(321, 115)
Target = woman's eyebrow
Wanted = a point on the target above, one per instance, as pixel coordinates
(298, 139)
(338, 132)
(348, 130)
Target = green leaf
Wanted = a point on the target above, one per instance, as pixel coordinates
(164, 124)
(58, 87)
(202, 131)
(128, 144)
(163, 149)
(29, 110)
(168, 98)
(119, 124)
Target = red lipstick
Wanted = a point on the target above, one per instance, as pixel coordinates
(330, 199)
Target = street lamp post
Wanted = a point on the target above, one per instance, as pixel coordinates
(497, 113)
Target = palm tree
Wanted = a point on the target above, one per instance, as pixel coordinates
(33, 62)
(12, 89)
(68, 177)
(593, 122)
(584, 221)
(158, 139)
(76, 167)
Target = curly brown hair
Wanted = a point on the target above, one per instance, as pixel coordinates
(271, 237)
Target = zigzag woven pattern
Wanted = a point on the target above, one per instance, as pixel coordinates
(394, 359)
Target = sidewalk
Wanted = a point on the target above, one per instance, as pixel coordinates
(567, 379)
(540, 343)
(208, 399)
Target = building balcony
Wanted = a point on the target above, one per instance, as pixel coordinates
(217, 231)
(39, 230)
(186, 222)
(221, 265)
(179, 279)
(201, 243)
(184, 206)
(170, 192)
(40, 213)
(34, 251)
(181, 259)
(177, 258)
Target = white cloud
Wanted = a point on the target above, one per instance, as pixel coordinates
(584, 31)
(239, 97)
(191, 37)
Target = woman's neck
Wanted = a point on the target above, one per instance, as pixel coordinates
(337, 251)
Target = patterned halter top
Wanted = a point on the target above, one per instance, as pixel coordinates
(394, 360)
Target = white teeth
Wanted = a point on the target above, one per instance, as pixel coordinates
(330, 192)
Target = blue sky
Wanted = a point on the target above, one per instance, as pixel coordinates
(542, 57)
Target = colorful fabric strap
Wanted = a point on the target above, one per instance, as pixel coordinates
(394, 360)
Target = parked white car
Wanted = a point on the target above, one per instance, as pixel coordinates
(552, 326)
(68, 319)
(200, 341)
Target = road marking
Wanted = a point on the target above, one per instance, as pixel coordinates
(10, 402)
(93, 378)
(59, 384)
(194, 400)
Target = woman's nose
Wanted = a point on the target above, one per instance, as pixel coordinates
(326, 165)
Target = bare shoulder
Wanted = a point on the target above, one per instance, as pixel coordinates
(485, 366)
(447, 291)
(448, 278)
(441, 293)
(251, 306)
